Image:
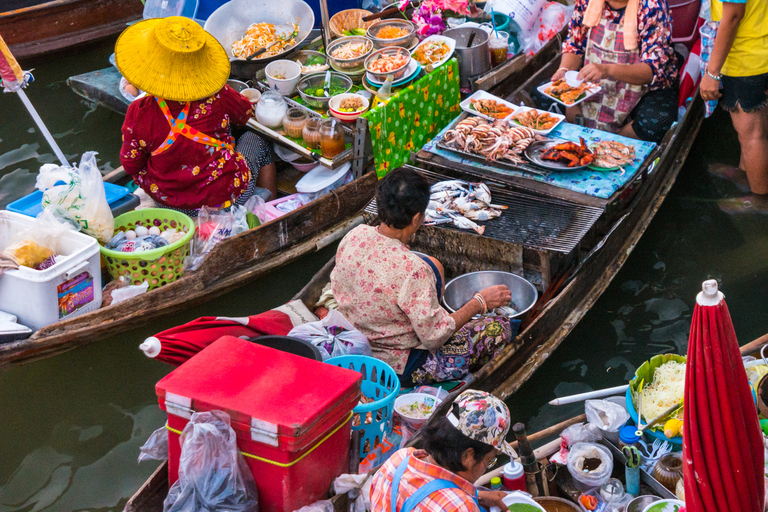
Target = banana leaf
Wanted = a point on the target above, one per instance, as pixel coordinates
(644, 377)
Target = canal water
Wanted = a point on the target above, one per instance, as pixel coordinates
(71, 425)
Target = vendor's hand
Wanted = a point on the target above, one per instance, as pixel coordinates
(559, 74)
(593, 72)
(490, 499)
(709, 88)
(496, 296)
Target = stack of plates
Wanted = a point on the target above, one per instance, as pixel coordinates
(413, 70)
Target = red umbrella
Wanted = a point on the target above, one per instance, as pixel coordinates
(722, 441)
(177, 344)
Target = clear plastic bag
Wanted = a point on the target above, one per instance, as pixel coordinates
(213, 474)
(318, 506)
(579, 433)
(551, 20)
(156, 447)
(211, 228)
(606, 415)
(81, 198)
(578, 458)
(33, 246)
(334, 336)
(256, 207)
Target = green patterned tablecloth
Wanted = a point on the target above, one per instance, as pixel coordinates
(413, 116)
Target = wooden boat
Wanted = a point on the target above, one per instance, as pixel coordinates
(232, 263)
(35, 27)
(569, 279)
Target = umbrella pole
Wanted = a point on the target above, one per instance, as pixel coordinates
(325, 20)
(42, 127)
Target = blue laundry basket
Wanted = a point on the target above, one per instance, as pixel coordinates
(380, 383)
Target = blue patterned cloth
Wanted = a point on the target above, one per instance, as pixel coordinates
(600, 184)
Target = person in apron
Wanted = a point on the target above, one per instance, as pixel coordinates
(177, 140)
(625, 46)
(458, 449)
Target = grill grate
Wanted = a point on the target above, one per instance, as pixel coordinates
(532, 221)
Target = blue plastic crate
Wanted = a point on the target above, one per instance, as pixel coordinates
(31, 205)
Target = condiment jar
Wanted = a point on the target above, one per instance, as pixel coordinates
(311, 132)
(271, 109)
(294, 121)
(513, 476)
(331, 138)
(495, 483)
(668, 469)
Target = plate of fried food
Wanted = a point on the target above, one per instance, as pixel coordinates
(540, 121)
(487, 105)
(611, 155)
(560, 155)
(569, 94)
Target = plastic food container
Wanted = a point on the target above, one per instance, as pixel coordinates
(316, 81)
(518, 497)
(403, 41)
(410, 399)
(294, 452)
(271, 109)
(67, 289)
(352, 65)
(294, 121)
(321, 177)
(582, 457)
(396, 73)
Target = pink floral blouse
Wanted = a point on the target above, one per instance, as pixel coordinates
(390, 295)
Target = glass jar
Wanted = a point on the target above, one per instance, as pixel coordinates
(271, 109)
(331, 138)
(311, 132)
(294, 121)
(668, 470)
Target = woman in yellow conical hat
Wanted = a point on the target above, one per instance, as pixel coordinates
(626, 47)
(177, 141)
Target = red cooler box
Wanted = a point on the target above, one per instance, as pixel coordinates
(292, 416)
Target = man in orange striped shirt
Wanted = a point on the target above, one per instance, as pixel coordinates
(459, 448)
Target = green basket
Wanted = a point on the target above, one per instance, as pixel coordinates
(159, 266)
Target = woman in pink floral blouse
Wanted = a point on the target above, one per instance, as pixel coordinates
(391, 294)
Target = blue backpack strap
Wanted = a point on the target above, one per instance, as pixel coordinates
(424, 491)
(396, 482)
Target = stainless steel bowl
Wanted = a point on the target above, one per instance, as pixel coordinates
(317, 80)
(403, 41)
(641, 502)
(304, 55)
(353, 65)
(460, 290)
(396, 73)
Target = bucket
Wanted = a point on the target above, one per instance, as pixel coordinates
(472, 61)
(381, 384)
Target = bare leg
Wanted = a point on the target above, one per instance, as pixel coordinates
(752, 128)
(628, 131)
(572, 112)
(440, 269)
(267, 179)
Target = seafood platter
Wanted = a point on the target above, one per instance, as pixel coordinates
(560, 155)
(487, 105)
(494, 141)
(611, 155)
(568, 93)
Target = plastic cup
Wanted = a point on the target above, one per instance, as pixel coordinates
(499, 44)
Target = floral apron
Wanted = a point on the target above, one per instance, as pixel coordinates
(608, 109)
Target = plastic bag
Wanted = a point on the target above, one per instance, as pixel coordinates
(318, 506)
(128, 292)
(212, 227)
(240, 220)
(577, 458)
(213, 474)
(606, 415)
(81, 198)
(33, 246)
(156, 447)
(256, 211)
(334, 336)
(345, 483)
(524, 12)
(579, 433)
(553, 17)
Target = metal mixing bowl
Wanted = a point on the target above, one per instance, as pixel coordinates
(398, 73)
(355, 64)
(460, 290)
(403, 41)
(317, 80)
(641, 502)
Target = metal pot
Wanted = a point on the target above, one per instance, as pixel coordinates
(460, 290)
(474, 60)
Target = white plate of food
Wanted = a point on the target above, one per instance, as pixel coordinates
(540, 121)
(485, 104)
(434, 50)
(562, 92)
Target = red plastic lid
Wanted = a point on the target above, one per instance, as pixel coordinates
(268, 391)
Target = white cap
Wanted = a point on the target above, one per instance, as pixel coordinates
(512, 470)
(151, 347)
(709, 294)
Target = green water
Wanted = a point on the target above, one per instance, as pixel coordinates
(71, 425)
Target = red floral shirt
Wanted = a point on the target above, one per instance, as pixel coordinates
(389, 294)
(189, 174)
(654, 29)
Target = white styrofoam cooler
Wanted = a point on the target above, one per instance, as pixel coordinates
(42, 297)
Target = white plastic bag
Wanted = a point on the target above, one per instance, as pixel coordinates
(34, 245)
(81, 198)
(551, 20)
(579, 433)
(128, 292)
(345, 483)
(156, 447)
(524, 12)
(213, 474)
(577, 458)
(606, 415)
(318, 506)
(334, 336)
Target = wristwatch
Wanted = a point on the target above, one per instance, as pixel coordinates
(713, 77)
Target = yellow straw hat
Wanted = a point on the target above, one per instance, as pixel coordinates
(172, 58)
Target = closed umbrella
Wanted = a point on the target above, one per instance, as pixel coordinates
(722, 443)
(177, 344)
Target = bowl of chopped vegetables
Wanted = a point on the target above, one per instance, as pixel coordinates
(312, 62)
(388, 61)
(392, 33)
(348, 106)
(416, 408)
(348, 54)
(311, 88)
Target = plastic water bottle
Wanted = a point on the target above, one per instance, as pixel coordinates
(385, 92)
(163, 8)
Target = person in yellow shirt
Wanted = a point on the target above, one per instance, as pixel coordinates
(737, 76)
